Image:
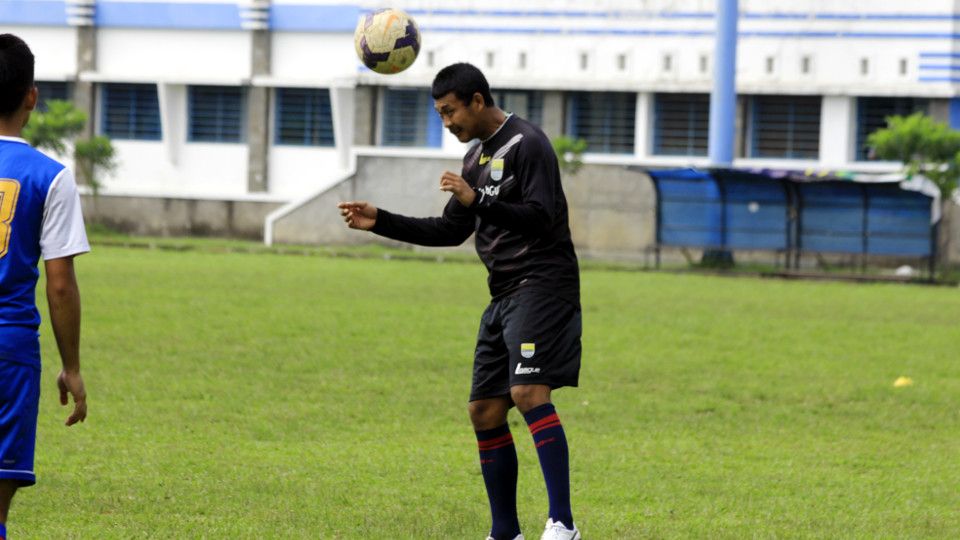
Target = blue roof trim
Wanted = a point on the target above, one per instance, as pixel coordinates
(33, 12)
(704, 15)
(692, 33)
(940, 79)
(205, 16)
(334, 18)
(940, 67)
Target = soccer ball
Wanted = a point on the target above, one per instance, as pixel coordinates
(387, 40)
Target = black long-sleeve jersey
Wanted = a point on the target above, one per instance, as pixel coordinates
(519, 215)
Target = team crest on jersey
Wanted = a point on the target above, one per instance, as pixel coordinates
(496, 170)
(527, 350)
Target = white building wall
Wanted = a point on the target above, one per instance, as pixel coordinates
(296, 171)
(54, 49)
(184, 56)
(625, 44)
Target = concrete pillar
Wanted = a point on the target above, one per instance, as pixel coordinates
(342, 102)
(553, 114)
(643, 132)
(838, 119)
(940, 110)
(364, 107)
(258, 115)
(84, 92)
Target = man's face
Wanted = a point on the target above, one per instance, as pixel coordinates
(459, 118)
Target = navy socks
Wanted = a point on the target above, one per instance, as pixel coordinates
(498, 463)
(551, 443)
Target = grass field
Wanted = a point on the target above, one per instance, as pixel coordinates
(242, 395)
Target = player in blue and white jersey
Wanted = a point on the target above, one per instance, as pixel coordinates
(39, 217)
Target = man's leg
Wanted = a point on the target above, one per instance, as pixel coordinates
(498, 463)
(7, 489)
(533, 400)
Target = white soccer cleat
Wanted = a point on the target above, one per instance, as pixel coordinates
(556, 530)
(518, 537)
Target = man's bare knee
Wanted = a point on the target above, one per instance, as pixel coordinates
(530, 396)
(488, 413)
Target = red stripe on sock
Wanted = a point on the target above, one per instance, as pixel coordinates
(547, 426)
(543, 421)
(487, 449)
(499, 442)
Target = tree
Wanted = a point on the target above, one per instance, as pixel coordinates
(569, 153)
(58, 127)
(923, 145)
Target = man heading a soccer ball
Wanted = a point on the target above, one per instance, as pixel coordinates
(509, 194)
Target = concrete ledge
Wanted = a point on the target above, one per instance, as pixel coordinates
(178, 217)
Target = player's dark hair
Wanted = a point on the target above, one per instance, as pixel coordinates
(464, 80)
(16, 73)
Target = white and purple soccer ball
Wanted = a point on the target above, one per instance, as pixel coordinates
(387, 40)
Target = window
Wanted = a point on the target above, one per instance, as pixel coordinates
(605, 120)
(872, 113)
(51, 90)
(785, 127)
(525, 103)
(304, 117)
(216, 114)
(681, 124)
(408, 119)
(131, 111)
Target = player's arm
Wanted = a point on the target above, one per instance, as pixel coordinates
(63, 237)
(538, 174)
(63, 298)
(450, 229)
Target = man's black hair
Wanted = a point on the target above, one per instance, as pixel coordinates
(16, 73)
(464, 80)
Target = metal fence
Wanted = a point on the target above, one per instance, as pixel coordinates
(791, 214)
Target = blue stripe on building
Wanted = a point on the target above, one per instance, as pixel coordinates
(342, 18)
(200, 16)
(33, 12)
(953, 80)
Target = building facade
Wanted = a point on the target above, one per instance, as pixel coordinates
(263, 102)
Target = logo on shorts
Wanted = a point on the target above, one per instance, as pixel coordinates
(525, 370)
(527, 350)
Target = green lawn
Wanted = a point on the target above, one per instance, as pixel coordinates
(243, 395)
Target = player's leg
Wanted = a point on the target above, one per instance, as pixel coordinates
(543, 337)
(19, 401)
(7, 489)
(489, 403)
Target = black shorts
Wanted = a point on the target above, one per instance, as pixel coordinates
(530, 337)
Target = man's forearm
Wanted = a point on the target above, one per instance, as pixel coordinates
(64, 302)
